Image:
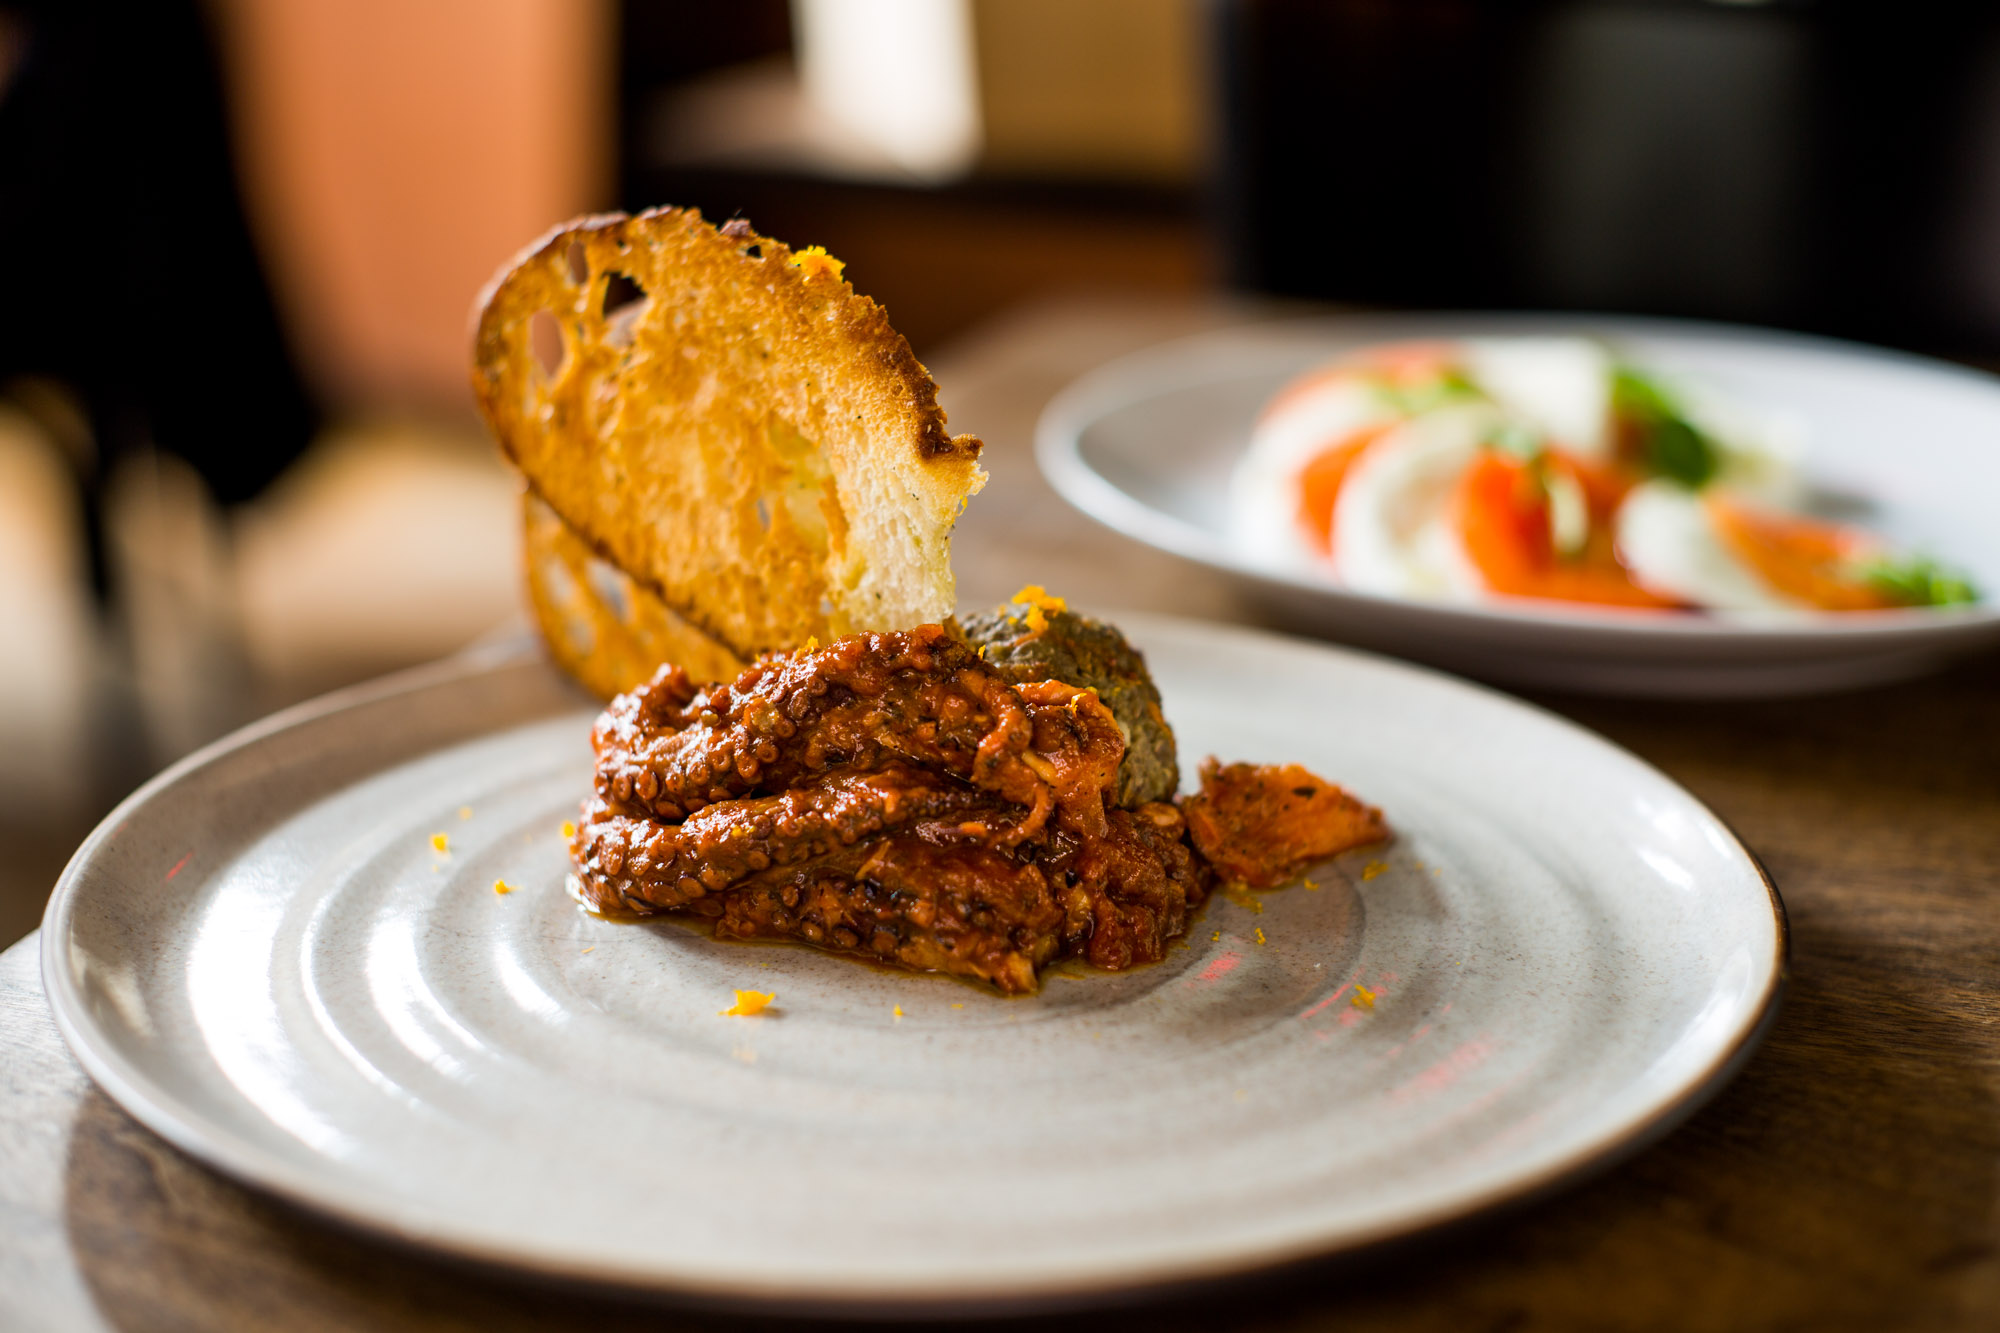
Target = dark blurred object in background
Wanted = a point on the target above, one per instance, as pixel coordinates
(1832, 166)
(132, 278)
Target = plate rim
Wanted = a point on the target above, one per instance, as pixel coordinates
(1059, 454)
(247, 1164)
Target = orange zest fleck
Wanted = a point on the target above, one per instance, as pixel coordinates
(501, 886)
(1034, 594)
(748, 1003)
(897, 1013)
(465, 812)
(1363, 997)
(1040, 601)
(814, 260)
(1373, 868)
(568, 829)
(440, 843)
(1260, 936)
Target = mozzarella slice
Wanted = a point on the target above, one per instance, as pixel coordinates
(1264, 491)
(1665, 537)
(1392, 533)
(1560, 386)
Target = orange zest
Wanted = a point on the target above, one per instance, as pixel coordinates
(814, 260)
(1040, 601)
(748, 1003)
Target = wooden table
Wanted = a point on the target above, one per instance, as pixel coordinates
(1848, 1179)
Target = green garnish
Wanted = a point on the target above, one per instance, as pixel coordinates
(1670, 445)
(1448, 386)
(1513, 437)
(1917, 580)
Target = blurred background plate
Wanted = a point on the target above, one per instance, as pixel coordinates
(1147, 445)
(266, 958)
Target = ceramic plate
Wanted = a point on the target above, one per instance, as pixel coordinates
(264, 957)
(1147, 446)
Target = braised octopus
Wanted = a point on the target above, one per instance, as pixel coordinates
(892, 796)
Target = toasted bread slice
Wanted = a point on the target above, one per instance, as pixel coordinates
(603, 627)
(729, 424)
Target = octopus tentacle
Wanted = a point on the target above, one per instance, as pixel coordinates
(663, 866)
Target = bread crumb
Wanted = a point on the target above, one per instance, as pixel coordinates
(1373, 868)
(440, 843)
(591, 947)
(1260, 936)
(501, 886)
(1363, 997)
(958, 1006)
(748, 1002)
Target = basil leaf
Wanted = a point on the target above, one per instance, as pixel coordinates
(1919, 581)
(1449, 386)
(1670, 445)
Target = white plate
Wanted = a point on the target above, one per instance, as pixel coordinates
(261, 957)
(1147, 444)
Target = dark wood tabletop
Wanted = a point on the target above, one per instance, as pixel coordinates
(1849, 1178)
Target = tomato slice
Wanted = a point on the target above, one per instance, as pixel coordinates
(1400, 364)
(1804, 558)
(1321, 479)
(1502, 509)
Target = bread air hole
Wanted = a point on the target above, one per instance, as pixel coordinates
(624, 301)
(546, 343)
(578, 262)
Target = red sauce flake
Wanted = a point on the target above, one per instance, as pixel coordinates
(1261, 824)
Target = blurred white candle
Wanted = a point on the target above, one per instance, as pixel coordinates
(898, 73)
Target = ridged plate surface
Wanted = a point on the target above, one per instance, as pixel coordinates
(263, 957)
